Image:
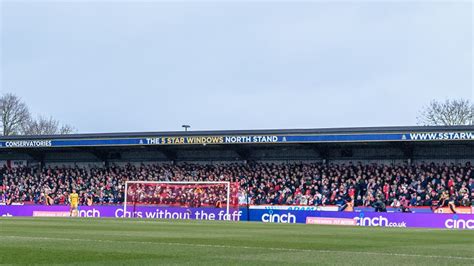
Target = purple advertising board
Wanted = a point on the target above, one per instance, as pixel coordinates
(419, 220)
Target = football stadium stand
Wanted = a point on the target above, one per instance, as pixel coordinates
(402, 167)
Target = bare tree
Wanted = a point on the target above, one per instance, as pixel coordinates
(45, 126)
(40, 126)
(15, 119)
(14, 114)
(447, 113)
(67, 129)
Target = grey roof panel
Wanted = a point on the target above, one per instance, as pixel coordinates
(350, 130)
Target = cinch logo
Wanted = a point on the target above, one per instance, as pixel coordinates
(457, 223)
(278, 218)
(89, 213)
(367, 221)
(376, 221)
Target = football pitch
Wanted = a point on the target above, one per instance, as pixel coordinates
(159, 242)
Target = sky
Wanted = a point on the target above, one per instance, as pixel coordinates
(115, 66)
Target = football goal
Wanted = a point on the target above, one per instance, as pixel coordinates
(188, 194)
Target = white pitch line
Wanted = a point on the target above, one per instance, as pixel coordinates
(244, 247)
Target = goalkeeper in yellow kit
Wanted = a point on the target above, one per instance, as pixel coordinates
(74, 201)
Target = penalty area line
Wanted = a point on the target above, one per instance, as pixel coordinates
(242, 247)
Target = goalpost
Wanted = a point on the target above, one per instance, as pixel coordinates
(188, 194)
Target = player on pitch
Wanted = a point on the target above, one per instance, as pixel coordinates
(74, 201)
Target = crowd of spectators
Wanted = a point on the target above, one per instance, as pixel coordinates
(260, 183)
(185, 195)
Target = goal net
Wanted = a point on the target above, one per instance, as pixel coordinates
(221, 195)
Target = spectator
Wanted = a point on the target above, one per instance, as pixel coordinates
(264, 183)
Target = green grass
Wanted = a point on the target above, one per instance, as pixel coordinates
(131, 241)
